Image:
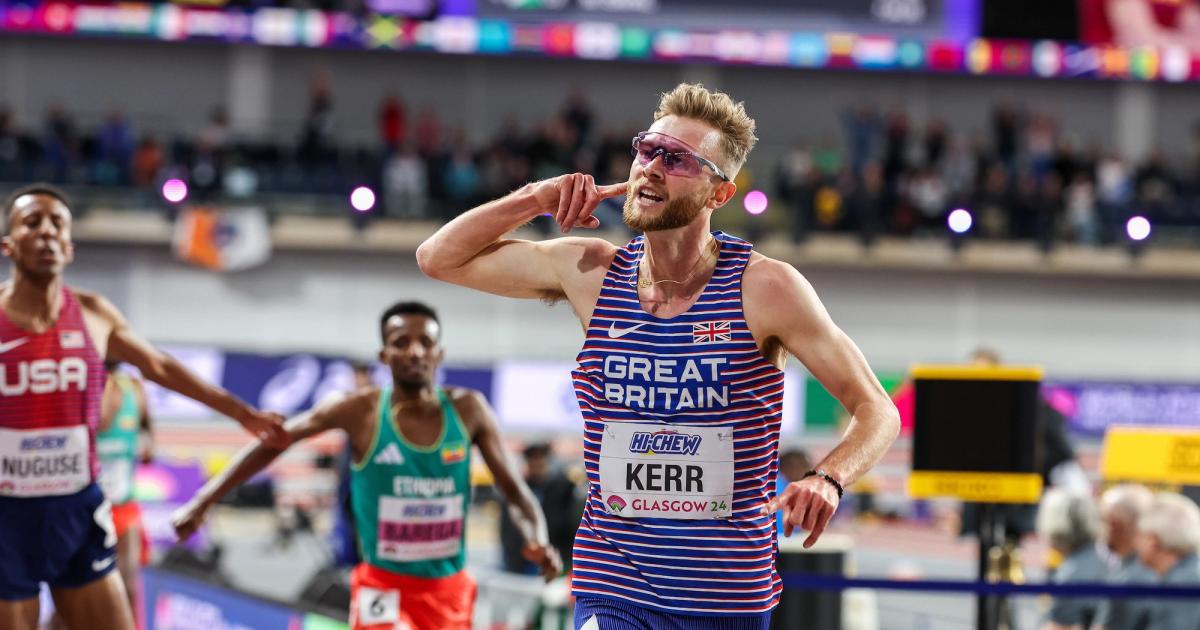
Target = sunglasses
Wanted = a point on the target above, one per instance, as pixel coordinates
(678, 157)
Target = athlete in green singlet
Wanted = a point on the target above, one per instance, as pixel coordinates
(125, 437)
(410, 483)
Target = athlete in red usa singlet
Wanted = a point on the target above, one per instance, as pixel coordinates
(55, 523)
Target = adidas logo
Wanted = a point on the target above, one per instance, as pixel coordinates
(390, 455)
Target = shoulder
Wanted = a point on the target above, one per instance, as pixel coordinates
(771, 283)
(96, 304)
(1083, 565)
(1136, 573)
(766, 272)
(467, 400)
(356, 404)
(1185, 571)
(473, 409)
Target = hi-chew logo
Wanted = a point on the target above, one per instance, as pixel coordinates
(665, 442)
(43, 443)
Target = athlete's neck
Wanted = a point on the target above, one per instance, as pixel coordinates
(31, 299)
(407, 394)
(679, 253)
(677, 263)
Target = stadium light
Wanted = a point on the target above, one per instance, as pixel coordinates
(1137, 229)
(362, 199)
(175, 190)
(756, 202)
(959, 222)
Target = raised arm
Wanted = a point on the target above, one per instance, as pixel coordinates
(522, 507)
(471, 250)
(258, 455)
(796, 320)
(125, 345)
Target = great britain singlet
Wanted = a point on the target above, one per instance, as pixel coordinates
(51, 385)
(681, 433)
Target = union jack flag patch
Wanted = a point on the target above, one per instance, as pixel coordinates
(711, 332)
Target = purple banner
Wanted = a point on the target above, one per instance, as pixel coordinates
(160, 489)
(1092, 407)
(178, 603)
(286, 383)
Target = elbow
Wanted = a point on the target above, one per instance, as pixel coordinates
(891, 420)
(158, 369)
(427, 259)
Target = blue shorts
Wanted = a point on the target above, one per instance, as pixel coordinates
(63, 541)
(602, 613)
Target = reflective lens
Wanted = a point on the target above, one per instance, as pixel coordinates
(676, 159)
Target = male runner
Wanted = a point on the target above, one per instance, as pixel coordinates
(680, 379)
(125, 437)
(410, 483)
(55, 524)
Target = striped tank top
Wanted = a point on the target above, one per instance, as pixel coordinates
(681, 418)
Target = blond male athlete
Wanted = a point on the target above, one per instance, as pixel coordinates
(680, 379)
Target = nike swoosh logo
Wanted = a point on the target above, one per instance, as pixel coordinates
(100, 565)
(613, 333)
(9, 345)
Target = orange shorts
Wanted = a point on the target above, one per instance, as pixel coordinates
(382, 600)
(129, 515)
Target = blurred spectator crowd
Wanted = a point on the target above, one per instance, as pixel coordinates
(1026, 178)
(1129, 537)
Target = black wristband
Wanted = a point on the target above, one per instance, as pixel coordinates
(824, 475)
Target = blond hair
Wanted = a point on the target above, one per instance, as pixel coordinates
(718, 110)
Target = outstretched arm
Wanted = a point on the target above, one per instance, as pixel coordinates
(524, 510)
(125, 345)
(800, 323)
(471, 250)
(254, 458)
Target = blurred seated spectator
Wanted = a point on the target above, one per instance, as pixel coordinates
(1120, 508)
(1168, 539)
(405, 184)
(1069, 523)
(147, 163)
(393, 123)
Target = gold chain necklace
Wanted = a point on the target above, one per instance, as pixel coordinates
(644, 282)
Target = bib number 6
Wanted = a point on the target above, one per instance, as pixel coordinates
(377, 606)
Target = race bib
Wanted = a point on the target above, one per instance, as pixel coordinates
(376, 606)
(420, 529)
(665, 471)
(44, 462)
(115, 475)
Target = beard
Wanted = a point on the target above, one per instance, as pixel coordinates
(676, 214)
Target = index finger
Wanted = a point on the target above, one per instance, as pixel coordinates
(819, 528)
(613, 190)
